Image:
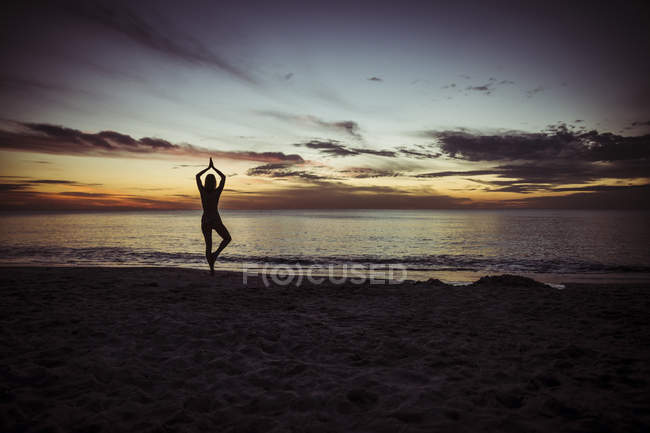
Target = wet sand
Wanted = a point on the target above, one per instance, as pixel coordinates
(167, 349)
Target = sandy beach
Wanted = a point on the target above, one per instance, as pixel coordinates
(167, 349)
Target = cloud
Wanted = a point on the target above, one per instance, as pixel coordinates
(368, 172)
(351, 127)
(288, 76)
(375, 79)
(24, 193)
(420, 153)
(172, 43)
(290, 171)
(188, 165)
(18, 199)
(558, 143)
(348, 127)
(488, 88)
(285, 171)
(84, 194)
(24, 183)
(535, 91)
(337, 195)
(4, 187)
(485, 88)
(602, 188)
(628, 197)
(329, 147)
(456, 173)
(59, 140)
(530, 162)
(40, 162)
(60, 182)
(336, 148)
(386, 153)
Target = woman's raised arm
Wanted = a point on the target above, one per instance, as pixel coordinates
(199, 174)
(222, 182)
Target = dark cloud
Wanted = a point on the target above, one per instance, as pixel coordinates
(559, 143)
(629, 197)
(291, 171)
(266, 169)
(4, 187)
(288, 76)
(386, 153)
(351, 127)
(489, 87)
(485, 88)
(336, 148)
(25, 184)
(602, 188)
(567, 172)
(285, 171)
(375, 79)
(368, 172)
(535, 91)
(59, 140)
(157, 143)
(165, 40)
(456, 173)
(646, 123)
(329, 147)
(420, 153)
(53, 182)
(84, 194)
(345, 126)
(122, 139)
(60, 182)
(533, 162)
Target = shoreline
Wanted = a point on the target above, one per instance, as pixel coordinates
(168, 349)
(452, 278)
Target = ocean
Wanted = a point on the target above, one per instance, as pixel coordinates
(455, 246)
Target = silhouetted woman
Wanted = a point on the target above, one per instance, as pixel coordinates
(210, 194)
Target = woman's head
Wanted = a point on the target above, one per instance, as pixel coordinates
(210, 182)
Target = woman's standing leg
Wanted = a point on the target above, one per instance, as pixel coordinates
(207, 235)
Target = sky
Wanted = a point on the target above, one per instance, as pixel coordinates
(331, 105)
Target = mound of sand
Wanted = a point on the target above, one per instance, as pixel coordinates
(506, 280)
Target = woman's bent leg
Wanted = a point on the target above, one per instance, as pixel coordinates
(223, 232)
